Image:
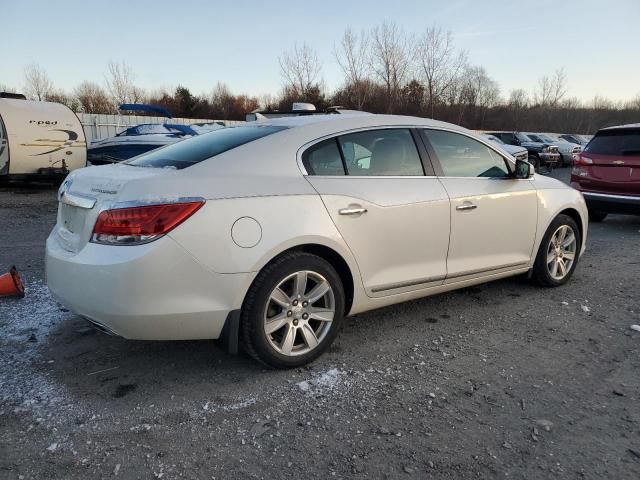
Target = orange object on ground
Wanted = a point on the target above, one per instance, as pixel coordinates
(11, 285)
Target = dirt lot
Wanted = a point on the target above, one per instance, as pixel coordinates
(505, 380)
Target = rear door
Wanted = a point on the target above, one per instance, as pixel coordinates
(613, 161)
(394, 218)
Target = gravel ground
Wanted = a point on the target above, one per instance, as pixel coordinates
(504, 380)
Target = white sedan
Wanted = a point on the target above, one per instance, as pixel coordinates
(267, 235)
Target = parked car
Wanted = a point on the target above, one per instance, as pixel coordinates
(519, 153)
(540, 153)
(274, 231)
(568, 151)
(608, 172)
(575, 138)
(143, 138)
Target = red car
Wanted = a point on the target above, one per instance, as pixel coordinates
(608, 172)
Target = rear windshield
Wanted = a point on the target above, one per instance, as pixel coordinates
(194, 150)
(615, 142)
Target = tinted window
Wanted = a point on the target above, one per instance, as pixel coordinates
(194, 150)
(462, 156)
(615, 142)
(323, 159)
(382, 152)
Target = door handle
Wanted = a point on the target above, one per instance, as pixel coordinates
(466, 206)
(352, 211)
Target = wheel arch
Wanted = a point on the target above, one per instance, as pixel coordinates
(334, 258)
(575, 215)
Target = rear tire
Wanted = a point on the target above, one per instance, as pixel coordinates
(596, 216)
(558, 253)
(282, 323)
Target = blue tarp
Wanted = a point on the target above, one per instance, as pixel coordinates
(142, 107)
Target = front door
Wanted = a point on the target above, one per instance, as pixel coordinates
(393, 217)
(493, 215)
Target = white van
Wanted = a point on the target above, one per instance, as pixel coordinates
(39, 139)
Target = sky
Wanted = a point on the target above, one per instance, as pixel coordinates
(198, 43)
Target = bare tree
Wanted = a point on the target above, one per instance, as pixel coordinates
(93, 98)
(300, 70)
(119, 80)
(351, 55)
(389, 59)
(518, 99)
(551, 90)
(439, 63)
(7, 88)
(37, 84)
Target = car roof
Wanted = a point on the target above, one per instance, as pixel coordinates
(346, 121)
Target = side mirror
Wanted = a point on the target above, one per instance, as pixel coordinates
(523, 169)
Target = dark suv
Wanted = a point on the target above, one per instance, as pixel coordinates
(607, 172)
(539, 153)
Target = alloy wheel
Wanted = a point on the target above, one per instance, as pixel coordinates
(561, 252)
(299, 313)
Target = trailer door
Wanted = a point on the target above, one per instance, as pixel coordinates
(4, 149)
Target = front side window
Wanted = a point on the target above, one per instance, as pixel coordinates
(196, 149)
(462, 156)
(383, 152)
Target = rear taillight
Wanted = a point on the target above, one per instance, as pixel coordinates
(136, 225)
(583, 160)
(578, 166)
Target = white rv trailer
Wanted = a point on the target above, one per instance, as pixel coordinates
(39, 139)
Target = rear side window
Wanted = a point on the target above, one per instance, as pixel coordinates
(615, 142)
(384, 152)
(323, 159)
(194, 150)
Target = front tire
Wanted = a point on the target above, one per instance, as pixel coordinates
(535, 161)
(558, 253)
(292, 311)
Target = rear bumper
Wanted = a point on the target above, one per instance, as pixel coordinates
(608, 203)
(155, 291)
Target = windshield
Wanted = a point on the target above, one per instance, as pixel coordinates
(196, 149)
(522, 137)
(494, 139)
(547, 139)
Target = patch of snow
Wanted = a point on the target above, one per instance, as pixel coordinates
(635, 328)
(324, 381)
(585, 309)
(22, 383)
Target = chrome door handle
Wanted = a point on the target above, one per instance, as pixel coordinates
(466, 206)
(352, 211)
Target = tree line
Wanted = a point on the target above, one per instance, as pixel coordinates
(384, 70)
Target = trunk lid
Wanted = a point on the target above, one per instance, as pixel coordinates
(85, 193)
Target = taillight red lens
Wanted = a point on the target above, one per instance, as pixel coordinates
(583, 160)
(135, 225)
